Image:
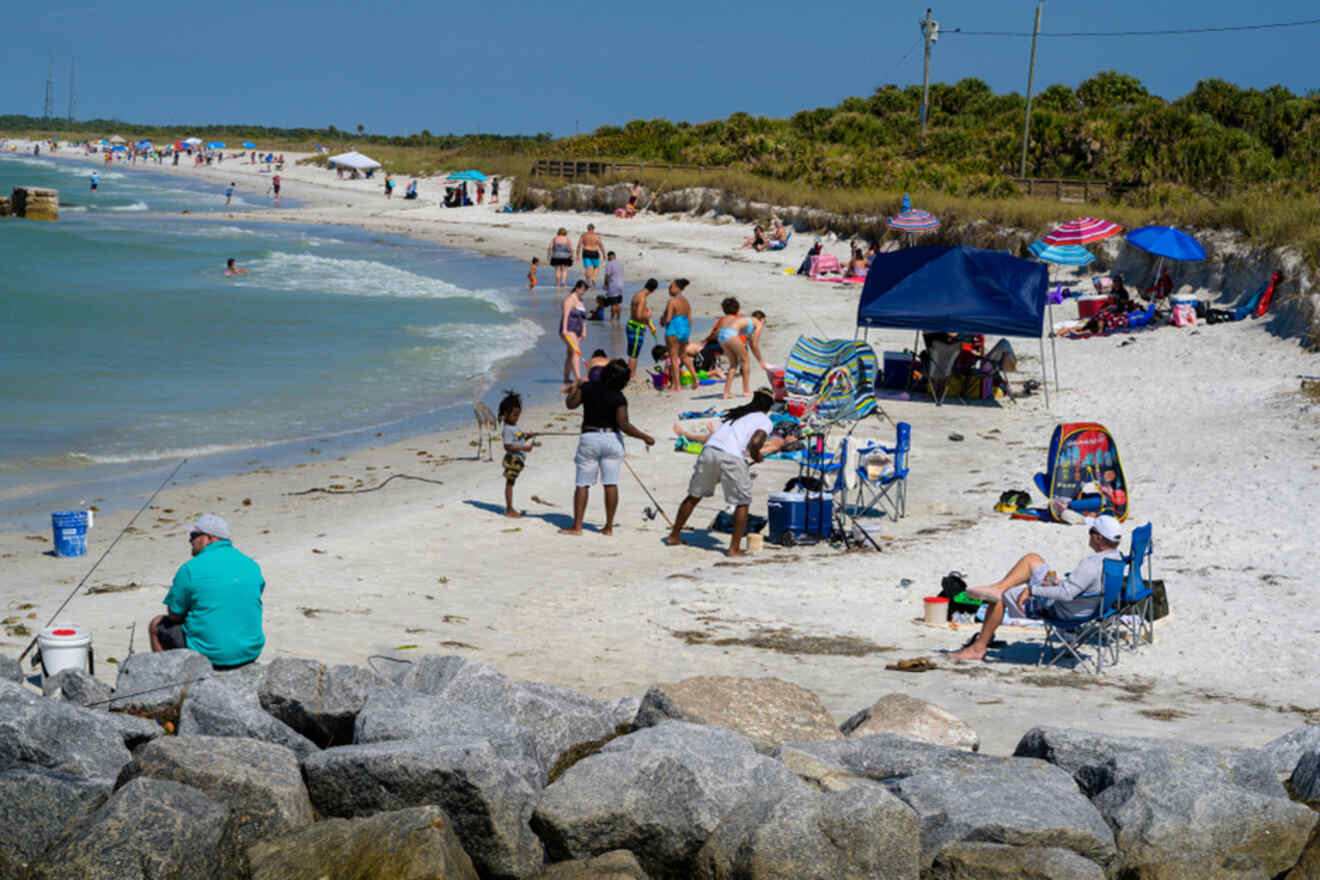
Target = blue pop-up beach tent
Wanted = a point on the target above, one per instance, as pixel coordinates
(956, 290)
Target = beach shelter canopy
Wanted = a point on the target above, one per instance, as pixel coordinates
(249, 145)
(216, 145)
(954, 289)
(194, 141)
(354, 159)
(144, 145)
(467, 175)
(1165, 241)
(1083, 230)
(1061, 254)
(117, 139)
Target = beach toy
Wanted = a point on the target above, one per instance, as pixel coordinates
(70, 528)
(64, 646)
(935, 609)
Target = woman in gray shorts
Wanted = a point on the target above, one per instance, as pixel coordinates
(600, 449)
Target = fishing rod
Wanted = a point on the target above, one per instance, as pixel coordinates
(121, 534)
(647, 491)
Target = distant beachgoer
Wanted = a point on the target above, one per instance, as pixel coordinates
(774, 443)
(632, 208)
(614, 286)
(589, 248)
(856, 264)
(756, 241)
(677, 321)
(411, 191)
(214, 604)
(389, 186)
(96, 180)
(494, 190)
(531, 274)
(481, 192)
(1163, 287)
(560, 254)
(600, 448)
(779, 236)
(733, 332)
(596, 364)
(275, 186)
(639, 319)
(722, 462)
(516, 446)
(573, 330)
(231, 269)
(229, 193)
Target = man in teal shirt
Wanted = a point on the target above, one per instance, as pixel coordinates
(215, 602)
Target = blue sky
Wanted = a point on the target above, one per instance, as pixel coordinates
(506, 67)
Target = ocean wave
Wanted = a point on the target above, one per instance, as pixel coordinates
(135, 206)
(476, 348)
(164, 454)
(291, 271)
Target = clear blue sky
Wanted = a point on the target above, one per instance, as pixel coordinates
(506, 67)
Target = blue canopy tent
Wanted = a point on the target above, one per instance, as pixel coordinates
(956, 290)
(467, 175)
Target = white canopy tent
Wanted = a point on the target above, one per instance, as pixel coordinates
(193, 141)
(117, 139)
(354, 160)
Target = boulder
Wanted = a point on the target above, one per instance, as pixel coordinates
(320, 702)
(1285, 751)
(155, 683)
(150, 829)
(623, 711)
(76, 686)
(557, 717)
(36, 203)
(768, 711)
(617, 864)
(260, 783)
(429, 674)
(885, 756)
(58, 736)
(659, 793)
(967, 860)
(36, 805)
(11, 670)
(135, 730)
(413, 844)
(391, 714)
(213, 708)
(246, 680)
(913, 719)
(1305, 779)
(861, 833)
(486, 794)
(1308, 866)
(820, 774)
(1179, 810)
(6, 206)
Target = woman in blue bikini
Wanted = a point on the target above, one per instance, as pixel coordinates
(729, 331)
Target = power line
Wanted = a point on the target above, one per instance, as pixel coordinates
(1156, 33)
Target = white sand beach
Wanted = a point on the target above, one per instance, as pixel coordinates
(1218, 446)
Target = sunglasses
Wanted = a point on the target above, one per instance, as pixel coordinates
(192, 535)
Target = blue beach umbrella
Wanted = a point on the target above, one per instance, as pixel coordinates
(216, 145)
(144, 145)
(249, 145)
(1165, 241)
(1061, 254)
(467, 175)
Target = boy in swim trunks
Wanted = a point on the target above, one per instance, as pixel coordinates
(516, 446)
(677, 321)
(589, 247)
(639, 318)
(531, 274)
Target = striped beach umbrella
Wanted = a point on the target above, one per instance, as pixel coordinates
(912, 219)
(1083, 230)
(1061, 254)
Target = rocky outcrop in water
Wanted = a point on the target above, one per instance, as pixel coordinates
(35, 203)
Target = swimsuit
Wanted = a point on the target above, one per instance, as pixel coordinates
(635, 331)
(590, 258)
(679, 326)
(727, 333)
(561, 253)
(574, 323)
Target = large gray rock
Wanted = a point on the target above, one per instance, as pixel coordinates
(135, 731)
(148, 830)
(246, 680)
(885, 756)
(36, 805)
(559, 718)
(659, 793)
(431, 673)
(1305, 779)
(1179, 810)
(155, 684)
(1285, 751)
(58, 736)
(213, 708)
(75, 686)
(913, 719)
(259, 782)
(391, 714)
(768, 711)
(413, 844)
(486, 794)
(861, 833)
(1308, 866)
(11, 670)
(617, 864)
(965, 860)
(319, 701)
(623, 711)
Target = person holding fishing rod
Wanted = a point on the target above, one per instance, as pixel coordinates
(600, 447)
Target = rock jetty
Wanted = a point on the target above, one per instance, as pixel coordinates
(35, 203)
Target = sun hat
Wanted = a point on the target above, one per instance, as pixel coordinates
(1107, 527)
(210, 524)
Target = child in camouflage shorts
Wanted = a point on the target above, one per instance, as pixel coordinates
(516, 446)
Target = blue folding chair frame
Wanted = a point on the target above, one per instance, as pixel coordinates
(887, 495)
(1065, 638)
(1138, 621)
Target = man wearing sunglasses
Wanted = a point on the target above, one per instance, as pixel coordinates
(215, 602)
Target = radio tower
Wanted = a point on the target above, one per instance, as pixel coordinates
(73, 70)
(50, 84)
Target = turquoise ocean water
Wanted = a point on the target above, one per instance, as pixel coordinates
(126, 348)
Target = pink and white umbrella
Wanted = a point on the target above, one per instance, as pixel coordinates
(1081, 231)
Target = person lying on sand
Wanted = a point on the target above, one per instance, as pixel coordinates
(1032, 589)
(774, 443)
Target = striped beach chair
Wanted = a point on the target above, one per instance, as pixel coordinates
(832, 380)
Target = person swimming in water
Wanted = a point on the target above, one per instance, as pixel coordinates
(231, 269)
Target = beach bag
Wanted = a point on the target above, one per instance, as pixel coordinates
(1184, 316)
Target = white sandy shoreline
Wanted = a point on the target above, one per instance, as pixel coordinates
(1218, 447)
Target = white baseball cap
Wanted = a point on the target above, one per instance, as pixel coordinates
(210, 524)
(1109, 528)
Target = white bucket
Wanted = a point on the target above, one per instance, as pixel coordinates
(64, 646)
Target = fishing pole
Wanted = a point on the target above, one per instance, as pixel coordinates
(121, 534)
(648, 492)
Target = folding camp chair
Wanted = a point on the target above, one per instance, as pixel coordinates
(1138, 600)
(1066, 638)
(885, 493)
(941, 357)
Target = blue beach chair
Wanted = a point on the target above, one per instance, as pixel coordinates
(886, 495)
(1138, 620)
(1066, 638)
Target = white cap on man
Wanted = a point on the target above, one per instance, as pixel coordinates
(215, 526)
(1106, 527)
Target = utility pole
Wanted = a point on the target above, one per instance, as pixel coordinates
(1031, 74)
(73, 71)
(46, 106)
(930, 30)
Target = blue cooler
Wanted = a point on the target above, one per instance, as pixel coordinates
(795, 515)
(898, 370)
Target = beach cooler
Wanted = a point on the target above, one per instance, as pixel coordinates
(897, 370)
(1087, 306)
(796, 515)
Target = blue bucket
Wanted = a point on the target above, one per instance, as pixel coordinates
(70, 528)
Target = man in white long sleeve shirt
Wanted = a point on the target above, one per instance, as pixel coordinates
(1032, 589)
